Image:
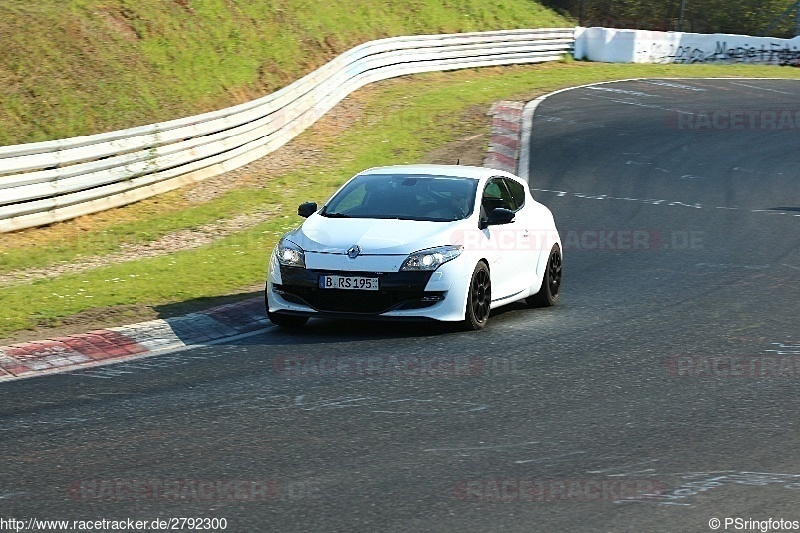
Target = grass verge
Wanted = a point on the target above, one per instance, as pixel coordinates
(77, 67)
(399, 121)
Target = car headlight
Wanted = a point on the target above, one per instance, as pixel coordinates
(432, 258)
(289, 254)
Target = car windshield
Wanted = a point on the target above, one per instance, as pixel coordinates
(404, 197)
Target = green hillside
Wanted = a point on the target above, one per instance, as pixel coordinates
(77, 67)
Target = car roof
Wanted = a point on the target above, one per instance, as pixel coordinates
(464, 171)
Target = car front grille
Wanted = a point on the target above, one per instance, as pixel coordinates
(354, 301)
(399, 290)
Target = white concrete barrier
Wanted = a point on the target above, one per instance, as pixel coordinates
(641, 46)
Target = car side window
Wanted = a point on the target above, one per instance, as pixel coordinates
(517, 191)
(496, 195)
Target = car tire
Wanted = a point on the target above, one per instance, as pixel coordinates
(287, 321)
(551, 283)
(479, 298)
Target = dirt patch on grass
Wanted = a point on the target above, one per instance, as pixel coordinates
(470, 149)
(299, 153)
(467, 151)
(174, 242)
(119, 23)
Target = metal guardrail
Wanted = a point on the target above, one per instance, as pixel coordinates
(46, 182)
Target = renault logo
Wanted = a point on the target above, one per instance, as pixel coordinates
(353, 252)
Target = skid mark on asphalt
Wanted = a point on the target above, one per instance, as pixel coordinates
(150, 362)
(483, 448)
(638, 104)
(550, 460)
(23, 424)
(570, 121)
(689, 486)
(372, 404)
(760, 88)
(625, 470)
(412, 406)
(673, 85)
(283, 402)
(732, 266)
(620, 91)
(782, 348)
(693, 484)
(515, 448)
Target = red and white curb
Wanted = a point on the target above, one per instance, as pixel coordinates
(504, 141)
(133, 341)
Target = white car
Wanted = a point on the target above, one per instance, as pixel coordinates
(438, 242)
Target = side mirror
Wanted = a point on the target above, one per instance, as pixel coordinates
(307, 209)
(500, 216)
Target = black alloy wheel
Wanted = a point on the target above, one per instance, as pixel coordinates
(479, 299)
(551, 283)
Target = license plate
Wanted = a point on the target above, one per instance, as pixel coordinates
(359, 283)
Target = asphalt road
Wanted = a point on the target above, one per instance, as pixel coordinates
(660, 393)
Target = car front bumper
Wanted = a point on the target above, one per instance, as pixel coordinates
(438, 295)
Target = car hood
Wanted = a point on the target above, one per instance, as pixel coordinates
(373, 236)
